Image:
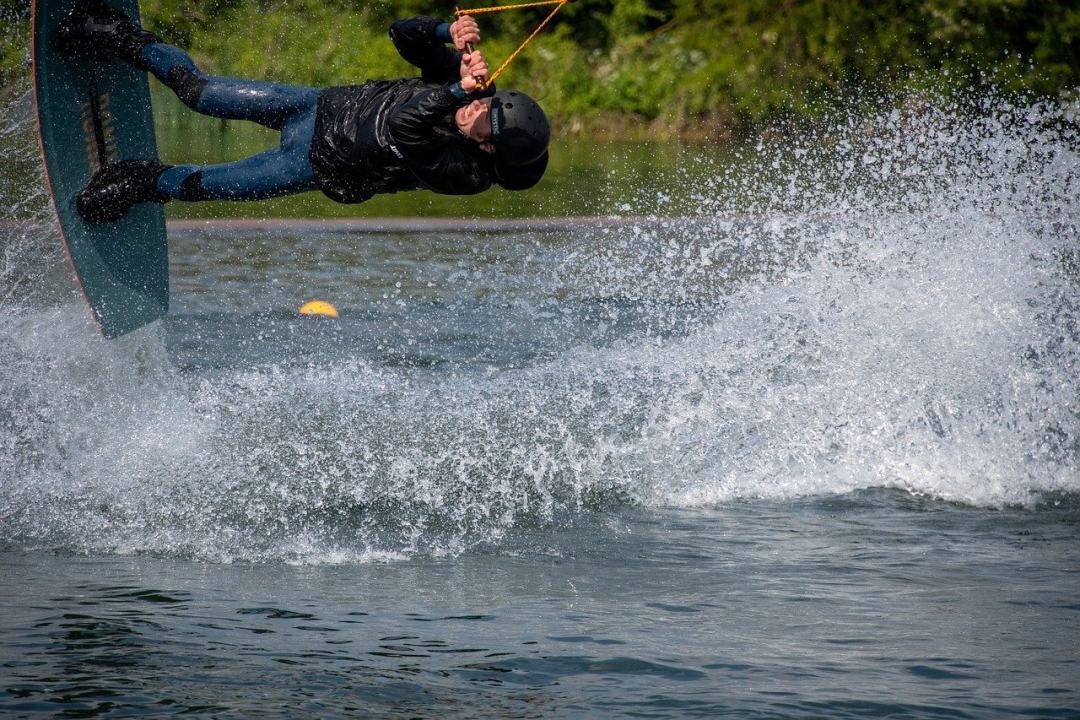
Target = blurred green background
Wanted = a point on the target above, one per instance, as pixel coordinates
(646, 68)
(620, 80)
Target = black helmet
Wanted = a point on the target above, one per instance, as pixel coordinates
(520, 177)
(519, 128)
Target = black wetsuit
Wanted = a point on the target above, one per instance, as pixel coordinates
(384, 136)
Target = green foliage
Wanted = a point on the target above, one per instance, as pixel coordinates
(653, 65)
(312, 43)
(14, 43)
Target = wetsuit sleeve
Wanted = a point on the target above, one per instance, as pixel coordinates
(441, 163)
(422, 41)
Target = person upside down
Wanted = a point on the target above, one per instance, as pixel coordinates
(443, 131)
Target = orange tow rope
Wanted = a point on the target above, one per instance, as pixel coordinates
(499, 8)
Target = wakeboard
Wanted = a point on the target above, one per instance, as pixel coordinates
(92, 112)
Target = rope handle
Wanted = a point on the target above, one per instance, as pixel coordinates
(458, 12)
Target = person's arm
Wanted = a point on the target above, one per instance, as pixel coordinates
(423, 42)
(441, 164)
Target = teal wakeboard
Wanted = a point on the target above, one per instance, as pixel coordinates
(92, 112)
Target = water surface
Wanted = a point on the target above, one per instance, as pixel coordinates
(796, 435)
(868, 605)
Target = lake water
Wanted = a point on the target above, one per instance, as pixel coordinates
(790, 430)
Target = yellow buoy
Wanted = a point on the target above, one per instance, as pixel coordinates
(318, 307)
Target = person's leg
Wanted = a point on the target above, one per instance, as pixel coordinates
(92, 28)
(268, 103)
(282, 171)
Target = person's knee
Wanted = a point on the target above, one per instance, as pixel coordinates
(192, 189)
(187, 84)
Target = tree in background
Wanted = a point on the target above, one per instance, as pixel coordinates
(693, 66)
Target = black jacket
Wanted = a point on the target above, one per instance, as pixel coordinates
(385, 136)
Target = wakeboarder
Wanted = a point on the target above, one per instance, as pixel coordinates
(447, 131)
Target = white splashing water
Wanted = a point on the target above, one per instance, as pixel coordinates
(888, 301)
